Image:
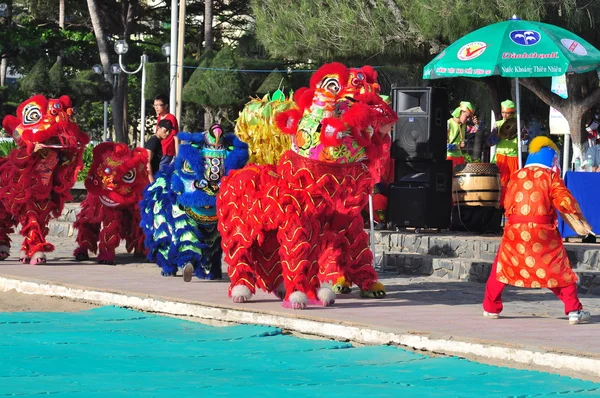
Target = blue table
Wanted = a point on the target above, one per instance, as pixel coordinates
(585, 187)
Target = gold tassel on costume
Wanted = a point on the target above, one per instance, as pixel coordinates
(256, 127)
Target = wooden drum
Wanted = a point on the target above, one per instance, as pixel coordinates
(476, 184)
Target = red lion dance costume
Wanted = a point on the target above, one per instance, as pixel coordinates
(115, 182)
(289, 227)
(36, 178)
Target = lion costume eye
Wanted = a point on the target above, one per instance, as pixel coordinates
(32, 113)
(129, 177)
(332, 84)
(187, 168)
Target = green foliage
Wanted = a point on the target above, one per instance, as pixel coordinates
(87, 162)
(6, 147)
(330, 29)
(36, 81)
(216, 86)
(449, 20)
(56, 81)
(193, 91)
(470, 159)
(157, 79)
(277, 79)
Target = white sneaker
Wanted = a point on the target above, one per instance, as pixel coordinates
(491, 315)
(580, 316)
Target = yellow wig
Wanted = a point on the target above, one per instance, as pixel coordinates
(540, 142)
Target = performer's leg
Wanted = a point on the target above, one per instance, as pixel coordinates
(492, 300)
(34, 220)
(568, 295)
(133, 233)
(7, 223)
(267, 265)
(87, 239)
(206, 265)
(456, 160)
(110, 237)
(241, 275)
(507, 166)
(359, 261)
(298, 238)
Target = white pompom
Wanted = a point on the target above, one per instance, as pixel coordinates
(241, 294)
(326, 295)
(299, 299)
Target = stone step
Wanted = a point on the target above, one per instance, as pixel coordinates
(69, 213)
(439, 244)
(475, 270)
(461, 269)
(61, 229)
(468, 246)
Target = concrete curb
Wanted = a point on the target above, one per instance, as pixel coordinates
(339, 331)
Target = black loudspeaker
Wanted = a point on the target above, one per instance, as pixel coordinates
(420, 133)
(421, 196)
(481, 219)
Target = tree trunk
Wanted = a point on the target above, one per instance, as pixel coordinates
(119, 100)
(583, 93)
(116, 102)
(208, 28)
(61, 24)
(4, 62)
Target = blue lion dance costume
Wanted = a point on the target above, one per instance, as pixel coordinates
(179, 216)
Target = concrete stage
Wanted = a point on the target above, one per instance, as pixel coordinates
(451, 255)
(466, 256)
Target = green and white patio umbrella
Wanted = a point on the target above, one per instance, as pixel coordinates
(516, 49)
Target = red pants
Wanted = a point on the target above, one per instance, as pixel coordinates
(507, 165)
(456, 160)
(492, 301)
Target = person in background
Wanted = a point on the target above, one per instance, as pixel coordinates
(154, 147)
(524, 144)
(507, 145)
(592, 158)
(456, 132)
(531, 252)
(170, 145)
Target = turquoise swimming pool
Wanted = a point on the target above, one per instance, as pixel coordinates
(114, 352)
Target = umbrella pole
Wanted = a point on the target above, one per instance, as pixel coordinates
(566, 155)
(372, 226)
(519, 144)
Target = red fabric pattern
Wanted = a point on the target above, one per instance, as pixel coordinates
(299, 222)
(101, 228)
(34, 185)
(110, 211)
(532, 254)
(492, 300)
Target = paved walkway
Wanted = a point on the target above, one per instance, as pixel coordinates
(422, 313)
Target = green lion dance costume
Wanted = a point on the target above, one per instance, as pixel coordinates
(178, 210)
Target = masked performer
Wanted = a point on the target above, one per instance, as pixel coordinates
(36, 178)
(531, 252)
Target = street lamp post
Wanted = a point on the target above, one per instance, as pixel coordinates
(98, 69)
(121, 47)
(115, 70)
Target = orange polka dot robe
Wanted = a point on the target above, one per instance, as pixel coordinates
(532, 254)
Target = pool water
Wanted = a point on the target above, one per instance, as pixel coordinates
(114, 352)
